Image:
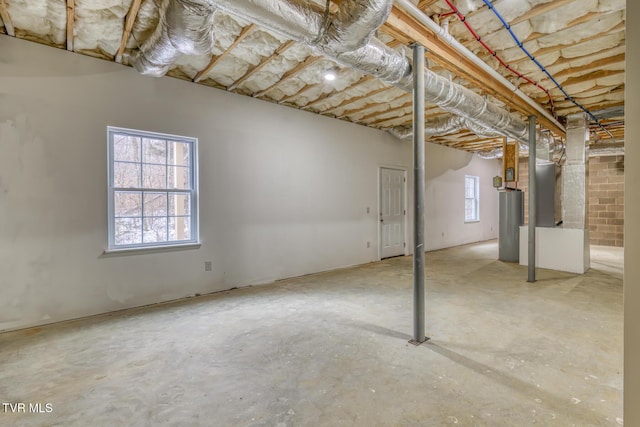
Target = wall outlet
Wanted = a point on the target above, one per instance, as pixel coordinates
(368, 210)
(208, 266)
(368, 244)
(443, 234)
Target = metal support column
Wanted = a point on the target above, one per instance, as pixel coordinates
(532, 199)
(418, 196)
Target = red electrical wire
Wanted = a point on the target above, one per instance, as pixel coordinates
(463, 19)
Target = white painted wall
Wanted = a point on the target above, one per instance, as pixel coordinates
(632, 226)
(445, 171)
(282, 192)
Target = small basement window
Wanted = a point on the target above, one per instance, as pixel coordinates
(153, 197)
(471, 198)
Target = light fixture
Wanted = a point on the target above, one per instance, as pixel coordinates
(331, 74)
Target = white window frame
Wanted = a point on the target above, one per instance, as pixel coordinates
(476, 199)
(193, 191)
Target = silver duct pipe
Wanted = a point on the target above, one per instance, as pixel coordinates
(496, 153)
(185, 27)
(600, 150)
(445, 125)
(306, 23)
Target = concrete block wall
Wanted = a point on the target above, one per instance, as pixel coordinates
(606, 200)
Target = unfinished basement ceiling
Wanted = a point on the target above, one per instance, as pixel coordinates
(580, 42)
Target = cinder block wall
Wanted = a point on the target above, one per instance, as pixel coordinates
(606, 199)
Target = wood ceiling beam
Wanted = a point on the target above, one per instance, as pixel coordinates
(71, 9)
(355, 99)
(6, 19)
(594, 107)
(312, 86)
(550, 49)
(334, 92)
(310, 60)
(447, 55)
(379, 122)
(600, 63)
(424, 4)
(581, 20)
(390, 111)
(215, 60)
(128, 27)
(370, 107)
(591, 76)
(279, 51)
(367, 78)
(540, 9)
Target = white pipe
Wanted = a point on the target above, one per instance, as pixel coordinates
(451, 41)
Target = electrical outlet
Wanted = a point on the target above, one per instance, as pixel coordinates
(368, 244)
(368, 210)
(443, 234)
(208, 266)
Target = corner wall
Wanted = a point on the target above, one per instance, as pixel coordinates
(632, 225)
(282, 192)
(444, 198)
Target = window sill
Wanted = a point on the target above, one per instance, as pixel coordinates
(151, 249)
(472, 222)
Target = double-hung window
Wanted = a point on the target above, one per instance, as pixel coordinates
(153, 199)
(471, 199)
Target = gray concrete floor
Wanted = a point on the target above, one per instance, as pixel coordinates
(331, 350)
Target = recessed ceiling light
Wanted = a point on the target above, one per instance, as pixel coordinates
(330, 75)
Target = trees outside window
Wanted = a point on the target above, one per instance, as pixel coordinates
(471, 199)
(152, 189)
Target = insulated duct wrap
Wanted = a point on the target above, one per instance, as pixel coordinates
(185, 27)
(305, 23)
(603, 150)
(344, 37)
(355, 24)
(496, 153)
(444, 125)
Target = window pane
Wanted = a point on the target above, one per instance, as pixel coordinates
(126, 175)
(155, 204)
(154, 151)
(180, 228)
(178, 153)
(128, 231)
(470, 187)
(126, 148)
(470, 209)
(179, 178)
(128, 203)
(179, 204)
(155, 230)
(154, 176)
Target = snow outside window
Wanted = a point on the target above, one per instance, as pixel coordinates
(153, 198)
(471, 199)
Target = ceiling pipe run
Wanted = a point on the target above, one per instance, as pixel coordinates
(178, 33)
(443, 34)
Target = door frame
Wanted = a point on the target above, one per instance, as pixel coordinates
(404, 207)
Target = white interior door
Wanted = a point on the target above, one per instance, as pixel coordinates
(392, 212)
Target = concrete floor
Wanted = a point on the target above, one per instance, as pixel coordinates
(331, 350)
